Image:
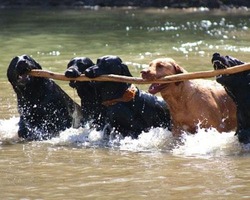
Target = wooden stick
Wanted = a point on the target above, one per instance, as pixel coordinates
(127, 79)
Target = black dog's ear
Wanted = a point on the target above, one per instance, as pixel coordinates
(13, 62)
(125, 70)
(233, 61)
(70, 63)
(98, 61)
(11, 69)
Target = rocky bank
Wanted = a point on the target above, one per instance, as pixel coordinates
(134, 3)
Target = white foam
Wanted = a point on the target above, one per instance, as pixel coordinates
(157, 139)
(81, 137)
(209, 143)
(8, 130)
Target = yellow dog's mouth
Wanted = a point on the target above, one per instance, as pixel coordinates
(156, 87)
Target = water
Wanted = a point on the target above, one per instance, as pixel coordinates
(81, 164)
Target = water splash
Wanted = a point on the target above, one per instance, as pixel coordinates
(8, 131)
(207, 144)
(157, 139)
(81, 137)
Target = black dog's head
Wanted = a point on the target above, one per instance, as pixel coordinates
(18, 69)
(108, 65)
(86, 90)
(223, 62)
(76, 67)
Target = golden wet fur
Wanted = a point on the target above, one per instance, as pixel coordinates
(192, 103)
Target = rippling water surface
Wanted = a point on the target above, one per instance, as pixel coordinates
(81, 163)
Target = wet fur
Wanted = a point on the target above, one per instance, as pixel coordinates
(238, 88)
(93, 110)
(128, 118)
(44, 108)
(192, 103)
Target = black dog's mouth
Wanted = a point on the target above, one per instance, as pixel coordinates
(23, 79)
(72, 84)
(218, 65)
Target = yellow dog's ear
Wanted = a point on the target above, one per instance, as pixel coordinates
(178, 69)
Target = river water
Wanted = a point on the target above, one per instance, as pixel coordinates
(80, 164)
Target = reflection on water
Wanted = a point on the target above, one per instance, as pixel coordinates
(81, 163)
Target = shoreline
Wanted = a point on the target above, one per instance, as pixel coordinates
(94, 4)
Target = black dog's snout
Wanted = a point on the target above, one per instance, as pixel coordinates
(21, 64)
(91, 72)
(23, 67)
(218, 61)
(72, 72)
(216, 56)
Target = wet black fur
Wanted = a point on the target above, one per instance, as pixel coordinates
(92, 108)
(44, 108)
(238, 88)
(133, 117)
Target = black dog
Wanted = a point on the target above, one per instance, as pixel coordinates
(238, 88)
(128, 110)
(44, 108)
(92, 108)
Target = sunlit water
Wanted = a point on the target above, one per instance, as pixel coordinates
(85, 164)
